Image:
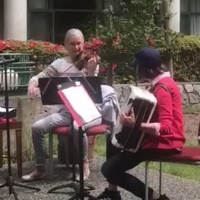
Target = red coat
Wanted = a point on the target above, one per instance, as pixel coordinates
(169, 114)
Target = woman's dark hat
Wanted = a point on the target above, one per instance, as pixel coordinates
(147, 57)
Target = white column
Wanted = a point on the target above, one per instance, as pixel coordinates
(15, 19)
(114, 3)
(174, 7)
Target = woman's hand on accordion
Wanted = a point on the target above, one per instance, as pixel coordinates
(127, 119)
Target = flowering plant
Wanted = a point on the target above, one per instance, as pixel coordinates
(30, 46)
(97, 46)
(94, 44)
(39, 51)
(149, 40)
(43, 53)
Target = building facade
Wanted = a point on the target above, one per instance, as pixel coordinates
(46, 19)
(190, 17)
(49, 19)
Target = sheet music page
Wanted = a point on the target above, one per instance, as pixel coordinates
(3, 109)
(82, 103)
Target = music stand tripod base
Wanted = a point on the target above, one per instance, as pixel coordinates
(75, 185)
(9, 182)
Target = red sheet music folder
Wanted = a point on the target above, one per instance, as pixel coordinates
(70, 108)
(80, 105)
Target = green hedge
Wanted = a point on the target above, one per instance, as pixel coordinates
(40, 52)
(185, 52)
(186, 58)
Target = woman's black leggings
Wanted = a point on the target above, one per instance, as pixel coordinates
(114, 169)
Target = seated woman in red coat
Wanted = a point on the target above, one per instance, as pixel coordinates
(164, 135)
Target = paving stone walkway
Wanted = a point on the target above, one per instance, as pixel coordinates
(176, 188)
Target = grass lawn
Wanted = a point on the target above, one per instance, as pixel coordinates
(191, 109)
(184, 171)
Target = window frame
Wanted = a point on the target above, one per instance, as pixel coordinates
(189, 14)
(49, 9)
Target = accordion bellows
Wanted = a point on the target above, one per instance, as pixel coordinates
(144, 104)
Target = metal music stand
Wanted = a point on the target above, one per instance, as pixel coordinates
(48, 88)
(10, 183)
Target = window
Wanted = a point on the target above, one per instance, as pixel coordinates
(38, 4)
(190, 17)
(50, 19)
(62, 23)
(41, 26)
(78, 5)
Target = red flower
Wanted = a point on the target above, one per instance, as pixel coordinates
(113, 66)
(116, 40)
(32, 44)
(94, 44)
(149, 40)
(4, 45)
(87, 45)
(47, 43)
(56, 47)
(102, 70)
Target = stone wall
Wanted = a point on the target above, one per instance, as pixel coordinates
(190, 93)
(30, 111)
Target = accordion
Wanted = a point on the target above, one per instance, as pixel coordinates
(144, 104)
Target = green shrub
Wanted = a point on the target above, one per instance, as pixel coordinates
(141, 23)
(40, 52)
(185, 52)
(186, 58)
